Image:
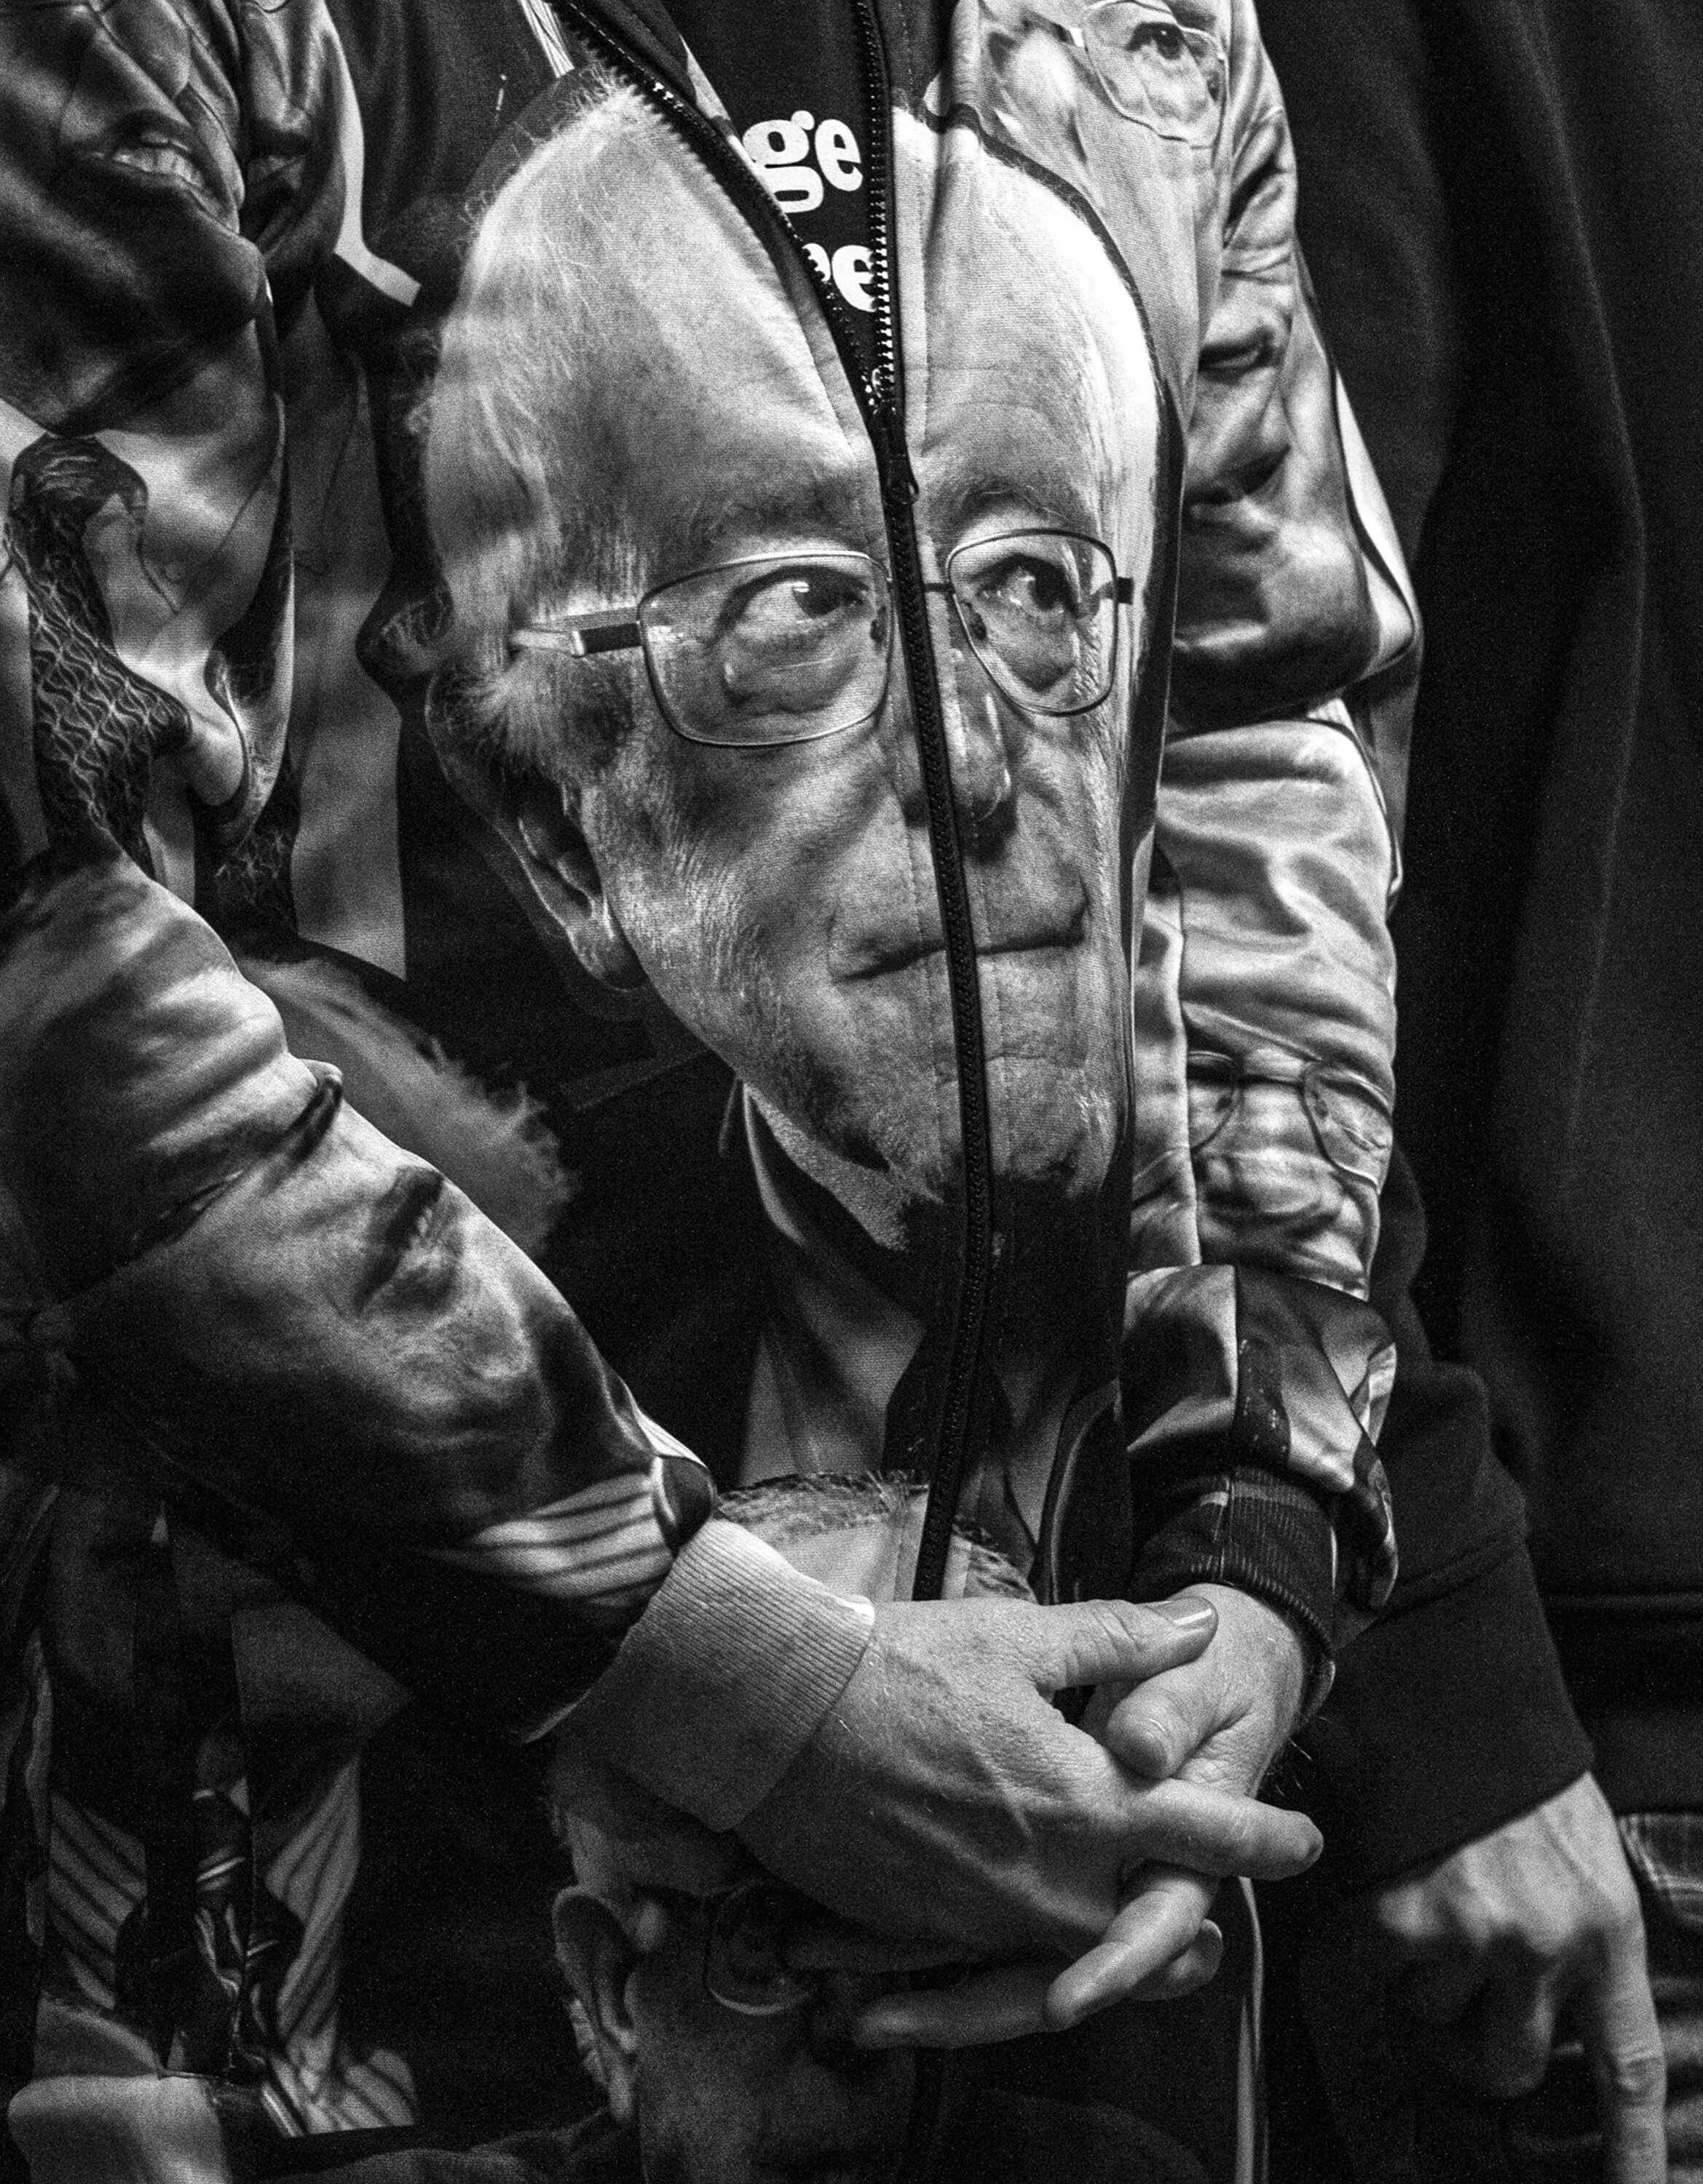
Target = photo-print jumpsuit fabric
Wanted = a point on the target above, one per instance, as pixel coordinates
(986, 1089)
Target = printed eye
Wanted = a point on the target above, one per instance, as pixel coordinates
(1027, 588)
(1163, 41)
(1147, 38)
(772, 649)
(1154, 72)
(791, 604)
(791, 638)
(1039, 609)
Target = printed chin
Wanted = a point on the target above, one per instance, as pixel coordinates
(1054, 1128)
(1055, 1068)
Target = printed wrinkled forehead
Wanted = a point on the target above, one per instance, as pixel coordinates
(1042, 389)
(624, 357)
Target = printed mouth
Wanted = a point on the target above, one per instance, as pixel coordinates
(155, 153)
(406, 1224)
(876, 956)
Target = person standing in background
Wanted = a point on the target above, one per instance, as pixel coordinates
(1502, 213)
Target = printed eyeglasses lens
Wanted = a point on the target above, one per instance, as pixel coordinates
(776, 650)
(744, 1964)
(1040, 610)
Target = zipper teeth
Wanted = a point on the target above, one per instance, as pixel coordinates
(958, 1408)
(880, 396)
(718, 154)
(879, 117)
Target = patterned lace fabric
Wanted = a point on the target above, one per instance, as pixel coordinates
(313, 2083)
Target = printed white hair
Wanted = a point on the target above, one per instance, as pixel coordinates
(497, 1146)
(499, 427)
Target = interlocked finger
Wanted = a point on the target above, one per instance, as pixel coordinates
(1160, 1927)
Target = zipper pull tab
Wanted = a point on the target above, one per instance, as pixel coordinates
(898, 479)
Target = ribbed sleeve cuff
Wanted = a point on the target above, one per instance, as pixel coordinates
(723, 1679)
(1264, 1534)
(1447, 1719)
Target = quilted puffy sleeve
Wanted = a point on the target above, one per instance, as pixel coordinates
(1265, 1004)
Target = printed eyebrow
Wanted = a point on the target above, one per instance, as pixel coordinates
(963, 501)
(827, 505)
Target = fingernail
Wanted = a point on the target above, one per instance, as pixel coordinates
(1186, 1614)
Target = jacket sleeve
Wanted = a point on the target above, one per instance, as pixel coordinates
(183, 1202)
(292, 1317)
(1418, 1749)
(1264, 1002)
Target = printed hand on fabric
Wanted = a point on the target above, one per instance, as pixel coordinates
(1488, 1945)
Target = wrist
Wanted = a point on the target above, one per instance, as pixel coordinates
(725, 1678)
(1256, 1533)
(1274, 1659)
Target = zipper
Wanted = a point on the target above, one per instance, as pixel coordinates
(880, 396)
(960, 1426)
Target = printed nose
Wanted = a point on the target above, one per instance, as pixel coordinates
(982, 757)
(153, 36)
(982, 739)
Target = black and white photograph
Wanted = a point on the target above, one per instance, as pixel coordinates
(850, 1091)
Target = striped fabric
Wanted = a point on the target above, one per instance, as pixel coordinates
(605, 1543)
(548, 32)
(94, 1882)
(1665, 1850)
(315, 2084)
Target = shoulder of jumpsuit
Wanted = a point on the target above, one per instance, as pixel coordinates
(1020, 77)
(1295, 598)
(374, 129)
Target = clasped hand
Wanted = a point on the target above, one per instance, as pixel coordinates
(1085, 1861)
(946, 1813)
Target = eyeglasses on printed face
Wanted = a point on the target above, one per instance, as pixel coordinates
(1155, 70)
(1335, 1105)
(746, 1933)
(789, 648)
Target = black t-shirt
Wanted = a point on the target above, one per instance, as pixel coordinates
(795, 83)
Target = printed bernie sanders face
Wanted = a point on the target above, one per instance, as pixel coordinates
(733, 2069)
(742, 818)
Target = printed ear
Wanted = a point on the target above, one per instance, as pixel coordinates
(597, 1960)
(537, 817)
(532, 842)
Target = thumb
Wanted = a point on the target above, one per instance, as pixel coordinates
(1098, 1641)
